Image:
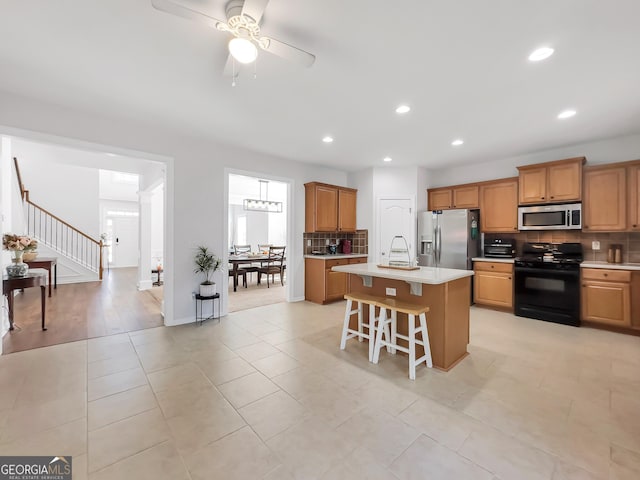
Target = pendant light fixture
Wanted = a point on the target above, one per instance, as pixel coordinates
(262, 205)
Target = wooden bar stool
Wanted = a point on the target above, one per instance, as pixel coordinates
(384, 322)
(360, 299)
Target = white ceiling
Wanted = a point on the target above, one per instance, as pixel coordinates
(461, 65)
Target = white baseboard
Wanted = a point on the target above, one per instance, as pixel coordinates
(145, 285)
(297, 299)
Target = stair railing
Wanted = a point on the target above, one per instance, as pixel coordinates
(59, 235)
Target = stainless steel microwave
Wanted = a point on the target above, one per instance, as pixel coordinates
(551, 217)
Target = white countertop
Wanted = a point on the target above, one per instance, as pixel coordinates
(611, 266)
(330, 256)
(493, 260)
(425, 275)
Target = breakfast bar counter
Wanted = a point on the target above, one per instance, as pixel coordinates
(447, 293)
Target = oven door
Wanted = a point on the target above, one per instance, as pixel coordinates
(547, 293)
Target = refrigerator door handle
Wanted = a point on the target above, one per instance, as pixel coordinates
(438, 244)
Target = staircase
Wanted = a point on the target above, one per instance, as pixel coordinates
(58, 235)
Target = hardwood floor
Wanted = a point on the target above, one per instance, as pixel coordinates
(83, 310)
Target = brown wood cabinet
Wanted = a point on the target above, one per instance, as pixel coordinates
(493, 284)
(605, 195)
(499, 206)
(329, 208)
(460, 196)
(606, 296)
(551, 182)
(322, 285)
(633, 174)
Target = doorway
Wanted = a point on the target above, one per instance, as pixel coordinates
(395, 217)
(258, 217)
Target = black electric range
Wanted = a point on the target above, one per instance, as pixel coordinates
(547, 282)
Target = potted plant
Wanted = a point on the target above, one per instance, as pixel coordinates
(207, 263)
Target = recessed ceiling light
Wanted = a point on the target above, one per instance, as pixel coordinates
(327, 139)
(403, 109)
(541, 54)
(566, 114)
(457, 142)
(387, 159)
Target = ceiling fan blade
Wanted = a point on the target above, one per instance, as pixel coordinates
(254, 8)
(184, 12)
(286, 51)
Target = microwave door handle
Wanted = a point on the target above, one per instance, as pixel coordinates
(568, 222)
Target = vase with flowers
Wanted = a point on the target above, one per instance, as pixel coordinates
(207, 263)
(18, 245)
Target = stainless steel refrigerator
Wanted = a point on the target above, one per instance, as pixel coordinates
(448, 238)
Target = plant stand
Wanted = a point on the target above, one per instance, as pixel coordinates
(200, 300)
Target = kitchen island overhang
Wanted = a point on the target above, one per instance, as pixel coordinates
(445, 291)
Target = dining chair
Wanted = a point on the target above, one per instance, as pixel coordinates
(235, 276)
(247, 268)
(274, 264)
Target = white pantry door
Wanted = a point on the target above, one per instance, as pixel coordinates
(396, 216)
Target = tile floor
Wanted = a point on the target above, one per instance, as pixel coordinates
(266, 393)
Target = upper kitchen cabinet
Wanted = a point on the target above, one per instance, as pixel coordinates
(605, 199)
(329, 208)
(499, 206)
(551, 182)
(633, 174)
(460, 196)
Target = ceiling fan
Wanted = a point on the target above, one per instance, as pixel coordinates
(243, 23)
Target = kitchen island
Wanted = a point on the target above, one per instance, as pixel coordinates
(447, 293)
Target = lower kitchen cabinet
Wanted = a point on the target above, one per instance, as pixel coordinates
(606, 296)
(493, 284)
(322, 285)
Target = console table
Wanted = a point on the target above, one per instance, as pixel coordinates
(34, 278)
(47, 263)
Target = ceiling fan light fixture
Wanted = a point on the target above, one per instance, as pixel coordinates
(243, 50)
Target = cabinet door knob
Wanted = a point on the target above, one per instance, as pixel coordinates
(552, 196)
(492, 266)
(584, 285)
(541, 198)
(606, 274)
(634, 225)
(509, 278)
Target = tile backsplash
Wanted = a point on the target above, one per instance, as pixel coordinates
(359, 241)
(630, 242)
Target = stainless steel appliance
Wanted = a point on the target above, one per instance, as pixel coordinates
(499, 247)
(547, 282)
(448, 238)
(566, 216)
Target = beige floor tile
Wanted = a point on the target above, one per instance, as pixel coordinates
(189, 398)
(25, 420)
(247, 389)
(126, 361)
(386, 397)
(161, 462)
(427, 459)
(158, 357)
(586, 449)
(625, 458)
(238, 340)
(443, 424)
(256, 351)
(80, 468)
(334, 406)
(279, 473)
(506, 456)
(113, 408)
(103, 351)
(173, 377)
(360, 464)
(116, 383)
(195, 430)
(117, 441)
(70, 439)
(277, 337)
(304, 381)
(276, 364)
(206, 358)
(309, 449)
(237, 456)
(41, 387)
(385, 436)
(273, 414)
(220, 372)
(151, 335)
(567, 471)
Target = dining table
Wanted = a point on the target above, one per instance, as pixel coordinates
(237, 260)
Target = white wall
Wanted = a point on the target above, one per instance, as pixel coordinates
(195, 186)
(112, 189)
(157, 226)
(602, 151)
(69, 192)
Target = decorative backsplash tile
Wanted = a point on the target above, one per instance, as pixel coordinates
(319, 241)
(630, 242)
